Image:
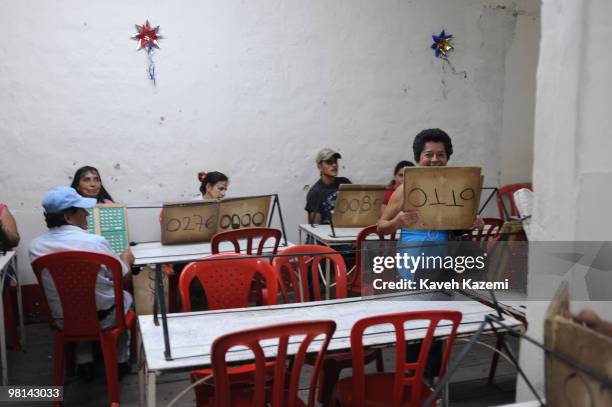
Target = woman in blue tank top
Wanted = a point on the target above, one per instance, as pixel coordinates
(432, 148)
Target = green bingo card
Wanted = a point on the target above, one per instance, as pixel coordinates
(110, 221)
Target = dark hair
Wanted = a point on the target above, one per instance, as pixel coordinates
(435, 135)
(210, 178)
(56, 219)
(399, 166)
(80, 173)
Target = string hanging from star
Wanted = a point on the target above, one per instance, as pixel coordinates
(147, 38)
(442, 46)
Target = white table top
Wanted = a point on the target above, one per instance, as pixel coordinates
(323, 233)
(156, 253)
(191, 334)
(5, 259)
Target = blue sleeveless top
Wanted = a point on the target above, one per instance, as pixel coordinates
(409, 244)
(423, 235)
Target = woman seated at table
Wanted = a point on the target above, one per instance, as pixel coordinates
(9, 237)
(398, 179)
(213, 185)
(88, 183)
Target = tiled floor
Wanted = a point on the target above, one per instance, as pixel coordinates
(35, 367)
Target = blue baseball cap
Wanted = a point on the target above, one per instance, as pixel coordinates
(61, 198)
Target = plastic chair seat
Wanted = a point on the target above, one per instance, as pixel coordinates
(226, 280)
(378, 391)
(241, 380)
(249, 234)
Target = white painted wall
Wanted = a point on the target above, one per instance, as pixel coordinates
(252, 89)
(516, 144)
(572, 167)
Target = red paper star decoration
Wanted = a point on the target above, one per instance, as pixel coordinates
(147, 37)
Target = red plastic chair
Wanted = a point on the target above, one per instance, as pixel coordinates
(250, 234)
(506, 193)
(226, 280)
(354, 284)
(279, 387)
(491, 229)
(307, 267)
(74, 274)
(405, 386)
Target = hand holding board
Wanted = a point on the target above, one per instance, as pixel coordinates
(446, 198)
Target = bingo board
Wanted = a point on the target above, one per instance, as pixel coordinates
(358, 205)
(446, 198)
(110, 221)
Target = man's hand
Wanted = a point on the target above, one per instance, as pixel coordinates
(128, 257)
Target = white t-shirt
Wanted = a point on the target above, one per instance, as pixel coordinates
(68, 237)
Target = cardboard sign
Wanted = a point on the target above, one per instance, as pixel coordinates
(358, 205)
(144, 290)
(198, 221)
(110, 221)
(189, 222)
(447, 198)
(566, 385)
(238, 213)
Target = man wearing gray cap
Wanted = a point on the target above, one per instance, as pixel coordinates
(66, 218)
(321, 198)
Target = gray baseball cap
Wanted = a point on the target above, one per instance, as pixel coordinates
(326, 154)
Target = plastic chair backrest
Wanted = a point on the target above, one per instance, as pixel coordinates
(74, 274)
(402, 378)
(491, 229)
(361, 237)
(250, 234)
(506, 193)
(226, 280)
(305, 260)
(286, 370)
